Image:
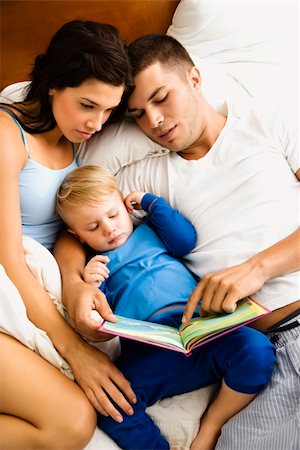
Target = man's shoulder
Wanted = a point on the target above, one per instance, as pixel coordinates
(271, 115)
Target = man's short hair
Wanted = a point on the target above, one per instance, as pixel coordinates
(152, 48)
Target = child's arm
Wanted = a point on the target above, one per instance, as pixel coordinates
(96, 271)
(177, 233)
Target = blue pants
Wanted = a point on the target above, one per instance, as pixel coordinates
(244, 358)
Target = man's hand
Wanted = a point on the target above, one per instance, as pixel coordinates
(220, 291)
(85, 299)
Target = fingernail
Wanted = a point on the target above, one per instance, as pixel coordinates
(130, 412)
(133, 400)
(119, 419)
(112, 318)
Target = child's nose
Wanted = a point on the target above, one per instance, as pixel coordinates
(108, 229)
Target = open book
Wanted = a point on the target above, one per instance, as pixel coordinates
(190, 335)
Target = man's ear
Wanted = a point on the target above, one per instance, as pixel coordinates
(194, 77)
(76, 235)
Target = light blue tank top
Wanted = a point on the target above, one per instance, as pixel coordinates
(38, 187)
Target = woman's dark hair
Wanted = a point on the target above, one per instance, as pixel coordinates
(79, 50)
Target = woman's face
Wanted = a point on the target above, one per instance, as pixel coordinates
(81, 111)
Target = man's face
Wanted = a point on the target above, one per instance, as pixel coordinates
(166, 107)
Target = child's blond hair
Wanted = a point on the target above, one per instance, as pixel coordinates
(86, 185)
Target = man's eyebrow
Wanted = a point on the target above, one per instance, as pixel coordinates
(148, 99)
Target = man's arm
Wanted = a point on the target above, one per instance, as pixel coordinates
(220, 291)
(79, 297)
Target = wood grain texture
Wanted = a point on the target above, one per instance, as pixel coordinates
(27, 26)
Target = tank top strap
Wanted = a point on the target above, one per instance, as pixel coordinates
(19, 125)
(73, 149)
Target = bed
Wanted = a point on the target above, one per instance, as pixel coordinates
(246, 51)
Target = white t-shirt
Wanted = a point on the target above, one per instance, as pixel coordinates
(242, 196)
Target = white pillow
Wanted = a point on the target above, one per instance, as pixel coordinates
(254, 43)
(117, 146)
(14, 92)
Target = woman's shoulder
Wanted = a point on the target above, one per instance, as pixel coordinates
(8, 120)
(11, 137)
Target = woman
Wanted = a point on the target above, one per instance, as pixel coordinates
(76, 87)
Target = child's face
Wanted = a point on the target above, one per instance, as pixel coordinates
(103, 227)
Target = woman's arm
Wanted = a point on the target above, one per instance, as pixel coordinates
(94, 372)
(80, 298)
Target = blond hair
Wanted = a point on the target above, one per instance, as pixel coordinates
(85, 186)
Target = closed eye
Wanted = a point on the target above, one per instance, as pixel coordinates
(86, 106)
(162, 100)
(140, 114)
(94, 228)
(136, 116)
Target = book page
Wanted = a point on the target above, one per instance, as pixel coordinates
(162, 335)
(199, 329)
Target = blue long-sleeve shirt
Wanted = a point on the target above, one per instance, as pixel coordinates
(176, 232)
(147, 279)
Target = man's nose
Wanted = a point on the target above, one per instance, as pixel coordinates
(155, 118)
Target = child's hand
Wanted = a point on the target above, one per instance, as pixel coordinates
(96, 271)
(134, 200)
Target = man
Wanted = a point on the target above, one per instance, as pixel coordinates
(235, 176)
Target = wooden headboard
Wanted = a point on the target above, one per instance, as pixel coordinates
(27, 26)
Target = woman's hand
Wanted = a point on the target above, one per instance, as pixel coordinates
(101, 381)
(85, 299)
(220, 291)
(96, 271)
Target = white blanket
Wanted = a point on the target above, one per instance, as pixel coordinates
(178, 417)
